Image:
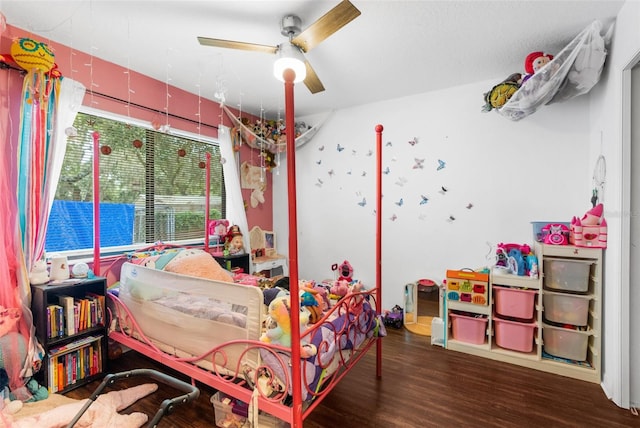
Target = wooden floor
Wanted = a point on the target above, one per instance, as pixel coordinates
(421, 386)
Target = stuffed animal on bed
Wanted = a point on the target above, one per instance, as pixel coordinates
(194, 262)
(279, 326)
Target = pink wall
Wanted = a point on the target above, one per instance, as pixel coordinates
(111, 80)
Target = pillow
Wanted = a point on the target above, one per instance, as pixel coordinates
(199, 264)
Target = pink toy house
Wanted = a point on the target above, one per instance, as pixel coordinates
(590, 230)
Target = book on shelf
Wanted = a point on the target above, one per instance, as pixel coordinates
(68, 305)
(71, 364)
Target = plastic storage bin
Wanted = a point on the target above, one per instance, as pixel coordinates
(565, 343)
(567, 274)
(514, 302)
(224, 414)
(469, 329)
(566, 308)
(517, 336)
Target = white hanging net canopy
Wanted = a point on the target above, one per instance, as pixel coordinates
(572, 72)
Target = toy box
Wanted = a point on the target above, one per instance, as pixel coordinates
(565, 343)
(228, 411)
(232, 413)
(566, 308)
(517, 336)
(571, 275)
(468, 286)
(467, 328)
(514, 302)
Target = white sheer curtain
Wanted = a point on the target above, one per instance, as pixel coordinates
(69, 102)
(235, 204)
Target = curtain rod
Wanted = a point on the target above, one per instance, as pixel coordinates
(4, 65)
(112, 98)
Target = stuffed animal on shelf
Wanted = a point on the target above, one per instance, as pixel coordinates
(234, 242)
(534, 62)
(39, 274)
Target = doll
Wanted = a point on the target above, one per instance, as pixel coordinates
(534, 62)
(235, 241)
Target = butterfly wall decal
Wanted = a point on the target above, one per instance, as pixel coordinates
(389, 144)
(349, 172)
(319, 161)
(443, 190)
(363, 202)
(424, 199)
(330, 172)
(400, 202)
(393, 217)
(321, 148)
(419, 164)
(364, 173)
(469, 205)
(319, 183)
(370, 153)
(401, 181)
(441, 164)
(339, 147)
(414, 141)
(386, 171)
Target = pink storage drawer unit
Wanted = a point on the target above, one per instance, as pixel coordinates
(517, 336)
(469, 329)
(514, 302)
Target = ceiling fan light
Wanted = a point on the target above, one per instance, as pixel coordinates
(289, 56)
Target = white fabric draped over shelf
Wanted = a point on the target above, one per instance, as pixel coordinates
(256, 142)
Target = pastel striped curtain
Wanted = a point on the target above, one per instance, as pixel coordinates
(48, 107)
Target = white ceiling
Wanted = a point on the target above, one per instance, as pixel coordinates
(393, 49)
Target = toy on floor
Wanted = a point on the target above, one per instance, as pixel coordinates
(103, 413)
(394, 317)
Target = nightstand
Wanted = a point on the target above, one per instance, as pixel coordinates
(273, 265)
(234, 261)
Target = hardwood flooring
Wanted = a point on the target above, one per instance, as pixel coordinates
(421, 386)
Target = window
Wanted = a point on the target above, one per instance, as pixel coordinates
(152, 187)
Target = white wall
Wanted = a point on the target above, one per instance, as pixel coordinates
(511, 172)
(607, 139)
(540, 168)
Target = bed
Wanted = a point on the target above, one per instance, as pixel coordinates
(214, 332)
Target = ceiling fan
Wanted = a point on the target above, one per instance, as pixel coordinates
(299, 41)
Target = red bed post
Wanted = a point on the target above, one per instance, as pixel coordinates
(289, 75)
(207, 202)
(96, 202)
(379, 129)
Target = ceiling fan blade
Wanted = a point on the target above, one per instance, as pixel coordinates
(220, 43)
(312, 81)
(326, 25)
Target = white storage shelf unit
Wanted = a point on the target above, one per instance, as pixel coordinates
(523, 340)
